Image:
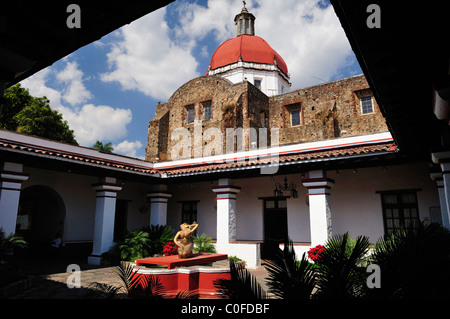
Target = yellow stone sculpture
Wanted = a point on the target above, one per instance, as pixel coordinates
(186, 244)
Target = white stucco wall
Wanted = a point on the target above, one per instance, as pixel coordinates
(206, 207)
(77, 195)
(271, 82)
(355, 205)
(80, 199)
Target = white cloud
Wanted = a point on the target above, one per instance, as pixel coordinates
(308, 37)
(89, 122)
(197, 21)
(36, 84)
(127, 148)
(74, 91)
(97, 122)
(147, 60)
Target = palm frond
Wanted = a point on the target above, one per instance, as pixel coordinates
(102, 291)
(339, 274)
(288, 278)
(414, 263)
(138, 285)
(242, 285)
(154, 287)
(129, 278)
(186, 295)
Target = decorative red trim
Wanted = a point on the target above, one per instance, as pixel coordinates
(105, 196)
(15, 173)
(40, 147)
(10, 180)
(318, 179)
(226, 186)
(10, 189)
(107, 184)
(225, 193)
(317, 187)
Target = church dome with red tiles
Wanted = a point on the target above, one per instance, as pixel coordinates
(247, 48)
(248, 57)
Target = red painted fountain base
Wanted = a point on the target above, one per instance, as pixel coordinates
(198, 279)
(174, 261)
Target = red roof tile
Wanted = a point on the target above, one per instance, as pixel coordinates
(322, 154)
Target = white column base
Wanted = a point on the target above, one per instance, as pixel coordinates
(226, 211)
(105, 211)
(94, 260)
(319, 186)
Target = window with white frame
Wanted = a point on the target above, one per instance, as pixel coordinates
(366, 104)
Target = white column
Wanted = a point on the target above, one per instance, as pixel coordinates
(158, 207)
(445, 207)
(319, 186)
(105, 211)
(442, 199)
(11, 179)
(226, 211)
(443, 203)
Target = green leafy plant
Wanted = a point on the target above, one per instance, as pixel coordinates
(10, 244)
(234, 258)
(33, 115)
(135, 246)
(107, 147)
(158, 235)
(203, 244)
(147, 242)
(414, 263)
(289, 278)
(339, 274)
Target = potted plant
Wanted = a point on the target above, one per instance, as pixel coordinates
(237, 261)
(203, 244)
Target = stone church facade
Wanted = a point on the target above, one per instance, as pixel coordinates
(321, 112)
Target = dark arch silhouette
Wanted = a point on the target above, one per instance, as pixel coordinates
(41, 217)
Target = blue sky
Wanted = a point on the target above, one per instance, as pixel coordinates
(108, 89)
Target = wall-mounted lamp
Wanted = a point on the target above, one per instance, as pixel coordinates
(291, 187)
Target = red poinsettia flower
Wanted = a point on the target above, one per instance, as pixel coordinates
(315, 253)
(170, 249)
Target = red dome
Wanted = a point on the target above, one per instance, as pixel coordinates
(250, 48)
